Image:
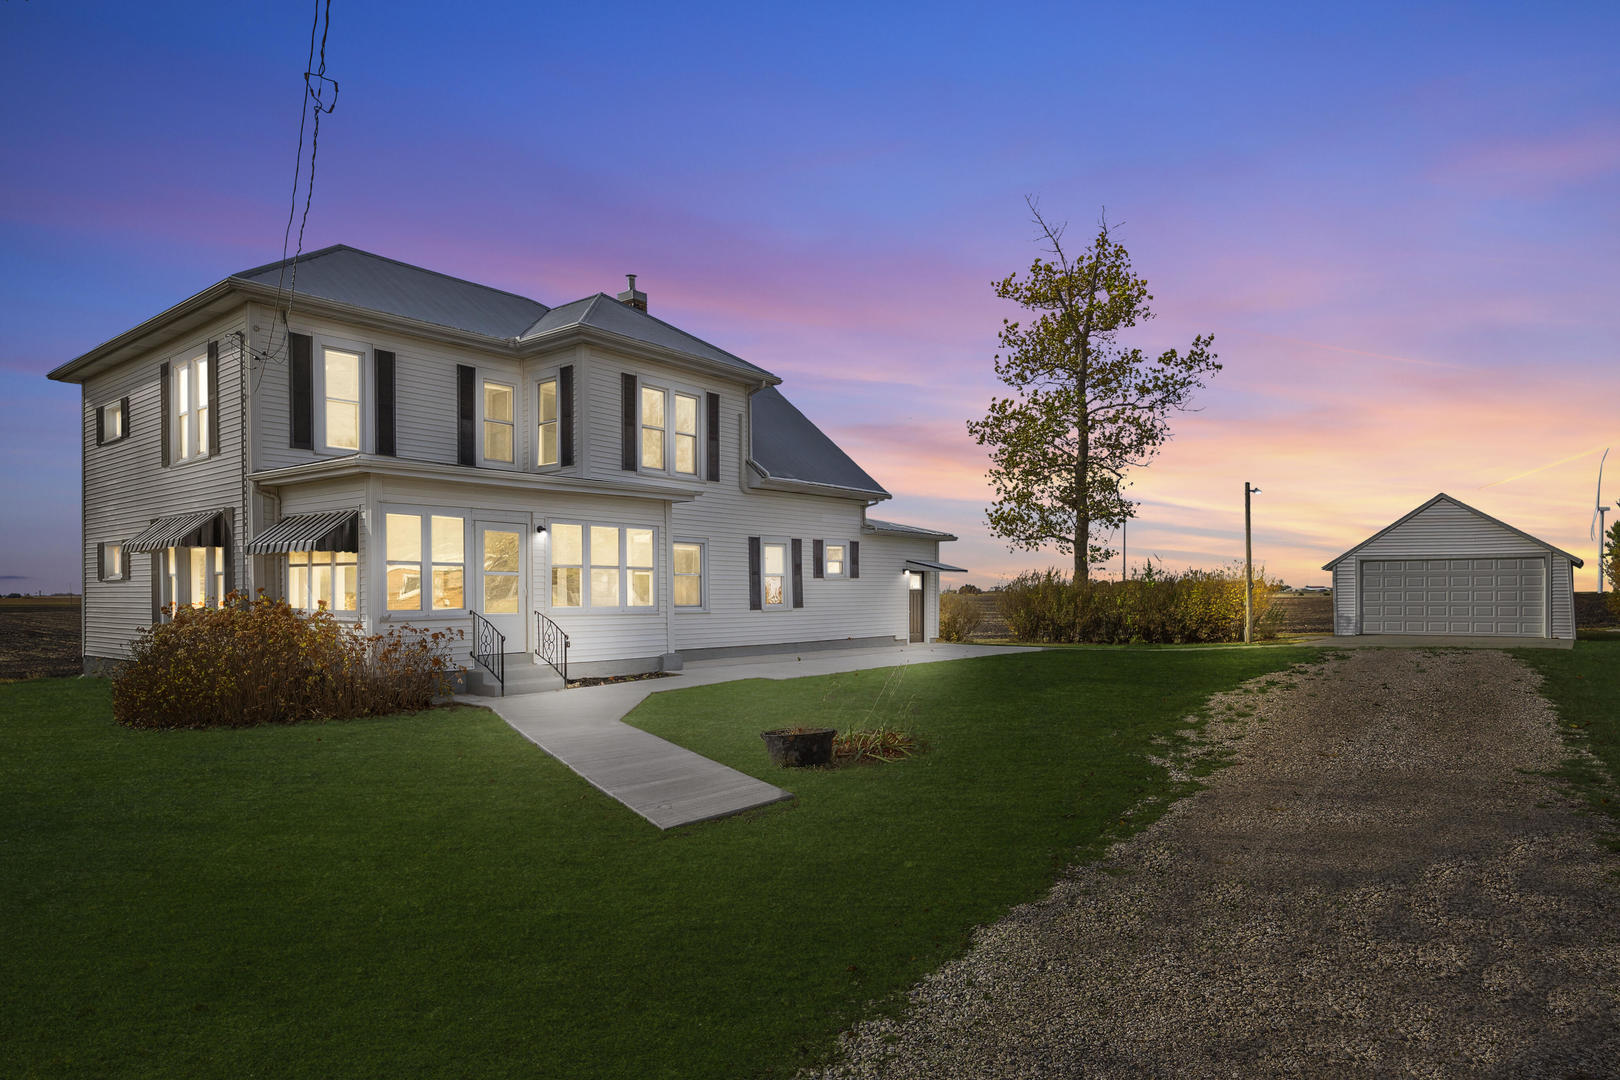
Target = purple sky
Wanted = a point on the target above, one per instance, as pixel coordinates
(1401, 227)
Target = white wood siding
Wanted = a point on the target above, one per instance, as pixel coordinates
(1563, 598)
(126, 486)
(1346, 603)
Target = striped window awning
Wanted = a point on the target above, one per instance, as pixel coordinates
(201, 529)
(923, 566)
(338, 530)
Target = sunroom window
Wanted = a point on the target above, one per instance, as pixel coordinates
(323, 579)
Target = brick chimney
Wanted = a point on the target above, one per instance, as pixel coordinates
(632, 296)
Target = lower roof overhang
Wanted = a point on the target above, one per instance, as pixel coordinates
(376, 465)
(763, 480)
(928, 566)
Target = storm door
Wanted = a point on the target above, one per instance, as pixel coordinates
(501, 590)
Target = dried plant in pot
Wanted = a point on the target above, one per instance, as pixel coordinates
(799, 746)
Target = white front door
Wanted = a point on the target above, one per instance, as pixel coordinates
(500, 592)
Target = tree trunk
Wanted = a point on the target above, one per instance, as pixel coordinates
(1082, 520)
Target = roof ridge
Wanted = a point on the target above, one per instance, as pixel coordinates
(687, 333)
(397, 262)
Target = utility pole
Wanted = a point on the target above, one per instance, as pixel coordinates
(1248, 564)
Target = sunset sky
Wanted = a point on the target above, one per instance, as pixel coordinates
(1402, 227)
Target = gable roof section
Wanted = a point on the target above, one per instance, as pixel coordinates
(894, 528)
(787, 446)
(1574, 560)
(603, 312)
(348, 275)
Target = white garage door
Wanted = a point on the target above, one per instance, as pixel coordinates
(1455, 596)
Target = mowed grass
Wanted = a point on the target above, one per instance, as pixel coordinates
(1583, 684)
(430, 895)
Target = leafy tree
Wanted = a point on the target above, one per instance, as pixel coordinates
(1084, 408)
(1611, 559)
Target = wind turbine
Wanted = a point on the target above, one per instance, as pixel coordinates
(1599, 511)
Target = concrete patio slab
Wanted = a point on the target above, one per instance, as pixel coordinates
(668, 784)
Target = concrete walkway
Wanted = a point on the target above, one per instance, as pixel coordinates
(664, 783)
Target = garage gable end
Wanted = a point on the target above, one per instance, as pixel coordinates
(1447, 526)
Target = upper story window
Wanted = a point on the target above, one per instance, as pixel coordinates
(112, 421)
(191, 407)
(686, 434)
(342, 382)
(654, 403)
(546, 442)
(498, 422)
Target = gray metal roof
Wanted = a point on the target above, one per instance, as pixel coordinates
(603, 312)
(1404, 518)
(894, 527)
(350, 276)
(789, 447)
(930, 566)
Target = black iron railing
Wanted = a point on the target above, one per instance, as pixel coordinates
(489, 648)
(552, 644)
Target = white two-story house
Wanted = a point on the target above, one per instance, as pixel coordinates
(401, 446)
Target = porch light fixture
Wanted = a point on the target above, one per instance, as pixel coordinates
(540, 529)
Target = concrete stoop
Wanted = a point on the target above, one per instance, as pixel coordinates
(523, 676)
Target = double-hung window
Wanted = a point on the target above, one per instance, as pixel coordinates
(606, 567)
(191, 407)
(442, 537)
(654, 404)
(547, 441)
(688, 574)
(114, 563)
(837, 566)
(498, 422)
(773, 575)
(341, 372)
(669, 431)
(323, 579)
(192, 577)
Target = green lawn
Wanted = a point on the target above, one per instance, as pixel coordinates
(1583, 684)
(430, 895)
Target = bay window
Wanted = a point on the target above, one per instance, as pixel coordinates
(323, 579)
(621, 564)
(442, 537)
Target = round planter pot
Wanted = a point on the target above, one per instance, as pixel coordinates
(795, 749)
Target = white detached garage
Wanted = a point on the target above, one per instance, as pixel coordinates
(1447, 569)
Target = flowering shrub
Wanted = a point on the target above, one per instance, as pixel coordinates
(1193, 606)
(263, 662)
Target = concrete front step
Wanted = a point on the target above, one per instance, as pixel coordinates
(523, 676)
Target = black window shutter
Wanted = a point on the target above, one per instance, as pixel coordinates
(163, 411)
(854, 558)
(101, 424)
(383, 372)
(227, 549)
(712, 403)
(213, 397)
(627, 409)
(754, 603)
(818, 566)
(301, 399)
(123, 417)
(798, 572)
(565, 415)
(465, 376)
(101, 562)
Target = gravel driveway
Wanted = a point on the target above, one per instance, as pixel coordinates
(1376, 887)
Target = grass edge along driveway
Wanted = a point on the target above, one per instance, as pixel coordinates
(430, 895)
